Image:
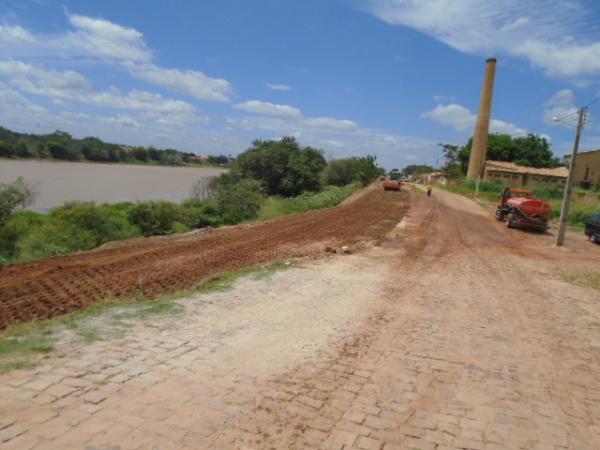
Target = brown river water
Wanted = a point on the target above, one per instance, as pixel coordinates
(58, 182)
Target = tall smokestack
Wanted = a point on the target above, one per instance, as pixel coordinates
(480, 137)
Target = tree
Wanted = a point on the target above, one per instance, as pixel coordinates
(239, 201)
(415, 169)
(531, 150)
(95, 150)
(140, 153)
(13, 196)
(367, 169)
(281, 167)
(340, 172)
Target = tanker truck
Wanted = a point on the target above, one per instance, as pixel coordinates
(521, 210)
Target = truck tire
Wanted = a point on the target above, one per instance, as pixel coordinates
(499, 215)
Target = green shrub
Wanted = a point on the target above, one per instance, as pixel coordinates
(330, 196)
(548, 192)
(239, 201)
(179, 227)
(341, 172)
(367, 170)
(105, 223)
(54, 237)
(19, 225)
(13, 196)
(200, 214)
(154, 217)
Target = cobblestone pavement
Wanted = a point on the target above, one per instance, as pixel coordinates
(474, 343)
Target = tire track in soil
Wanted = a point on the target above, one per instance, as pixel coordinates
(53, 286)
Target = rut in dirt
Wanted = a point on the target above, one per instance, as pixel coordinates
(54, 286)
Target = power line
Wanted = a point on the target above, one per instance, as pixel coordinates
(592, 102)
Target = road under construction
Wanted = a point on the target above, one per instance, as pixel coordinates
(444, 330)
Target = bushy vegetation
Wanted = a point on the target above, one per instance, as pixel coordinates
(75, 226)
(330, 196)
(416, 169)
(61, 145)
(13, 196)
(281, 167)
(340, 172)
(239, 201)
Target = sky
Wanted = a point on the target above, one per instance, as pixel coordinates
(393, 78)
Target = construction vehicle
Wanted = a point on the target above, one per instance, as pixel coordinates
(395, 175)
(521, 210)
(392, 185)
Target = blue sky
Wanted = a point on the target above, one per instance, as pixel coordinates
(388, 77)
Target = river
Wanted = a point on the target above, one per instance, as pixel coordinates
(57, 182)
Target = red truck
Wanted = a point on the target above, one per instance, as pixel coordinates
(521, 210)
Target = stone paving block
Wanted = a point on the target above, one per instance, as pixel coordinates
(12, 431)
(366, 443)
(354, 416)
(353, 427)
(53, 428)
(344, 437)
(60, 390)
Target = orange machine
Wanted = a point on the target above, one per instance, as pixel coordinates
(521, 210)
(392, 185)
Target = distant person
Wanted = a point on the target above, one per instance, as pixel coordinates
(428, 190)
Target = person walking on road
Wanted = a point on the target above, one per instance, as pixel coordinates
(428, 190)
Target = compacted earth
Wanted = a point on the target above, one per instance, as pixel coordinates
(446, 330)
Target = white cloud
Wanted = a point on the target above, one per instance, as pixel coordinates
(562, 106)
(104, 39)
(72, 86)
(270, 109)
(108, 42)
(278, 87)
(188, 82)
(330, 123)
(15, 34)
(462, 119)
(536, 29)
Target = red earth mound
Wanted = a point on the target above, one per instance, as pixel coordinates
(53, 286)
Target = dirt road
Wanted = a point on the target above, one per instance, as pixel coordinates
(156, 266)
(454, 333)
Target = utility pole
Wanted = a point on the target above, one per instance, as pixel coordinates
(566, 204)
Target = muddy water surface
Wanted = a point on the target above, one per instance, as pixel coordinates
(58, 182)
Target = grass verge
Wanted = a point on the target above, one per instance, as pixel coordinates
(330, 196)
(583, 279)
(24, 345)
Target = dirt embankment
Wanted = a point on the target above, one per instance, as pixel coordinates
(154, 267)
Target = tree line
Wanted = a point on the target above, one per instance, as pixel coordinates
(61, 145)
(531, 150)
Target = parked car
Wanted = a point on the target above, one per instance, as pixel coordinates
(592, 228)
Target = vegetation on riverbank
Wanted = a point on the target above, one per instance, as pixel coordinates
(582, 205)
(270, 179)
(62, 146)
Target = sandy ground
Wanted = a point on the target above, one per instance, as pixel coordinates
(57, 182)
(453, 333)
